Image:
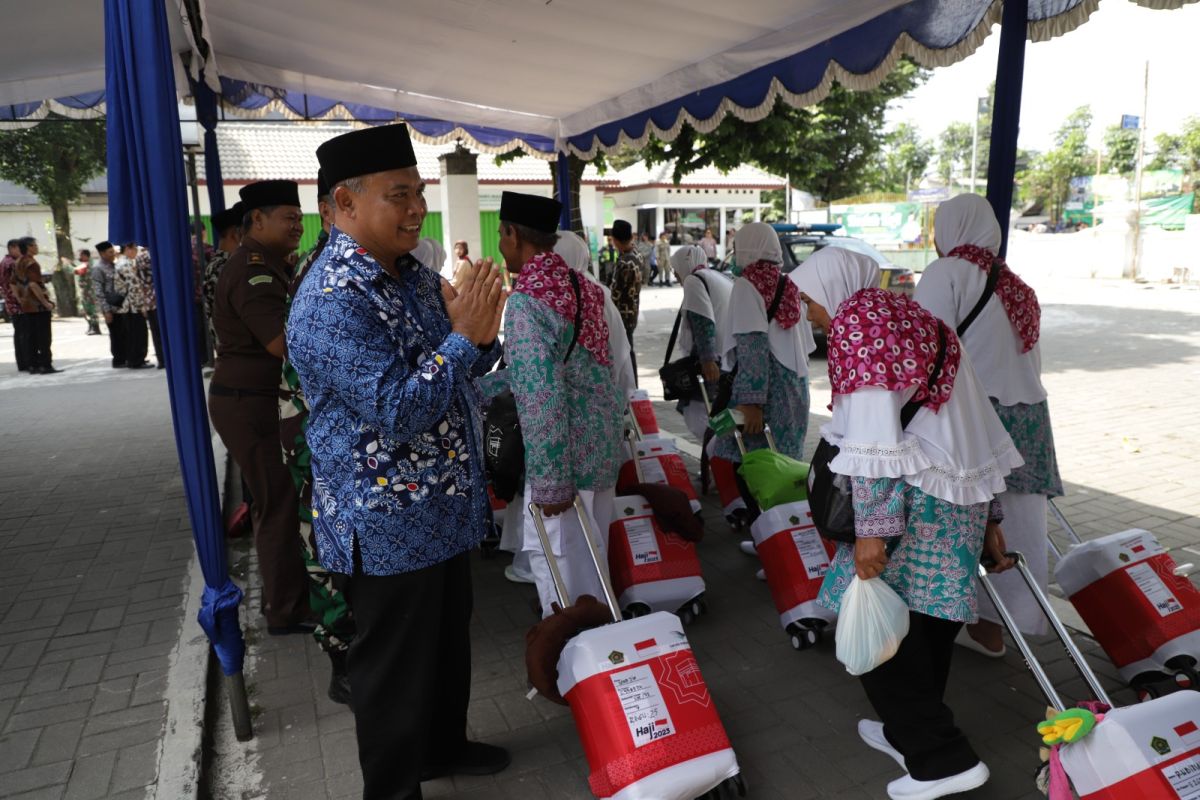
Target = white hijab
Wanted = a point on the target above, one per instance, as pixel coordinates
(573, 250)
(431, 254)
(950, 288)
(959, 454)
(747, 311)
(830, 275)
(705, 292)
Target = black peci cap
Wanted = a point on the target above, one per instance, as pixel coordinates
(228, 218)
(269, 193)
(366, 151)
(530, 210)
(322, 184)
(622, 231)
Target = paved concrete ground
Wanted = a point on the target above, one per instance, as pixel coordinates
(1123, 369)
(94, 545)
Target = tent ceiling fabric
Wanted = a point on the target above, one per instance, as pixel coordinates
(564, 75)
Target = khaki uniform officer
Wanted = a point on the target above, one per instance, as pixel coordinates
(249, 311)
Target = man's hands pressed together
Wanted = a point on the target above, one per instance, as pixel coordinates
(475, 310)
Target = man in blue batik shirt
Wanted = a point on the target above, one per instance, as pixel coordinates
(387, 354)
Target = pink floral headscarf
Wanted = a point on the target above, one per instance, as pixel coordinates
(546, 277)
(1019, 301)
(880, 338)
(764, 276)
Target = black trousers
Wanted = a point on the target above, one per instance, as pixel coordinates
(632, 355)
(21, 324)
(136, 339)
(39, 340)
(908, 694)
(116, 339)
(155, 335)
(410, 673)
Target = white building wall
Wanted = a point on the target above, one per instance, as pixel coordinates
(89, 225)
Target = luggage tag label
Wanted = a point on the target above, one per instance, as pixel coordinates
(642, 702)
(643, 544)
(812, 550)
(652, 470)
(1184, 777)
(1151, 585)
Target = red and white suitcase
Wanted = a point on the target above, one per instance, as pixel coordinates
(645, 718)
(642, 412)
(658, 461)
(652, 570)
(1144, 615)
(1149, 750)
(795, 559)
(1146, 751)
(724, 476)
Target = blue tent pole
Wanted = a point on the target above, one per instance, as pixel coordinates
(564, 191)
(206, 114)
(147, 196)
(1006, 115)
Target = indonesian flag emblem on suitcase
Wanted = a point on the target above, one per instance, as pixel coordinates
(642, 411)
(795, 559)
(658, 461)
(652, 570)
(645, 718)
(1125, 588)
(1149, 750)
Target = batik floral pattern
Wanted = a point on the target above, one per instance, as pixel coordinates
(1029, 426)
(933, 564)
(762, 381)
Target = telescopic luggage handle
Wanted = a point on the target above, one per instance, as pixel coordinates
(560, 586)
(1035, 666)
(633, 454)
(741, 443)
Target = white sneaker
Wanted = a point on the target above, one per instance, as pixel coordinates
(909, 788)
(748, 547)
(517, 576)
(761, 574)
(964, 639)
(871, 732)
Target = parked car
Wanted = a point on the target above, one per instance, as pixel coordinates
(801, 241)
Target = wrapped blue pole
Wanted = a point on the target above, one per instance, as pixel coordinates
(1006, 114)
(563, 183)
(206, 115)
(148, 204)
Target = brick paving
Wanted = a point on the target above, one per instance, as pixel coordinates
(94, 545)
(1123, 369)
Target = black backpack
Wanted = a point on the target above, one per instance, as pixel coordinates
(503, 444)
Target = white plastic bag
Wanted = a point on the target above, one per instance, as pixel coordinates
(872, 622)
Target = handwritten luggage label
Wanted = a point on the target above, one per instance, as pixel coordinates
(643, 704)
(643, 544)
(1152, 586)
(1184, 777)
(812, 552)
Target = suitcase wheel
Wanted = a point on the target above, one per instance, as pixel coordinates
(803, 637)
(692, 609)
(1150, 685)
(739, 520)
(635, 610)
(728, 788)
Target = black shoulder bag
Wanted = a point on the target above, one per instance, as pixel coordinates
(503, 444)
(680, 378)
(988, 289)
(725, 391)
(829, 496)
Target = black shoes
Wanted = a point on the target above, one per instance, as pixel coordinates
(286, 630)
(476, 758)
(43, 371)
(339, 682)
(143, 365)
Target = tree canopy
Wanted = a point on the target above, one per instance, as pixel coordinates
(54, 159)
(830, 149)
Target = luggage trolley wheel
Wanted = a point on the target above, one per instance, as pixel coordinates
(635, 610)
(728, 788)
(1151, 685)
(739, 520)
(1187, 672)
(804, 636)
(692, 609)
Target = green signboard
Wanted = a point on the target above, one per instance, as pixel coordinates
(880, 223)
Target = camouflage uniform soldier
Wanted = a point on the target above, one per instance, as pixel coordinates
(335, 625)
(87, 292)
(227, 226)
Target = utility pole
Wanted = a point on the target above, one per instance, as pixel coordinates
(980, 105)
(1135, 266)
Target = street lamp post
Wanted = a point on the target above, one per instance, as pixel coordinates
(981, 107)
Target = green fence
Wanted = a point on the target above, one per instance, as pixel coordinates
(312, 229)
(489, 235)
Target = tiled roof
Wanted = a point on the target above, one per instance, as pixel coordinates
(745, 176)
(255, 151)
